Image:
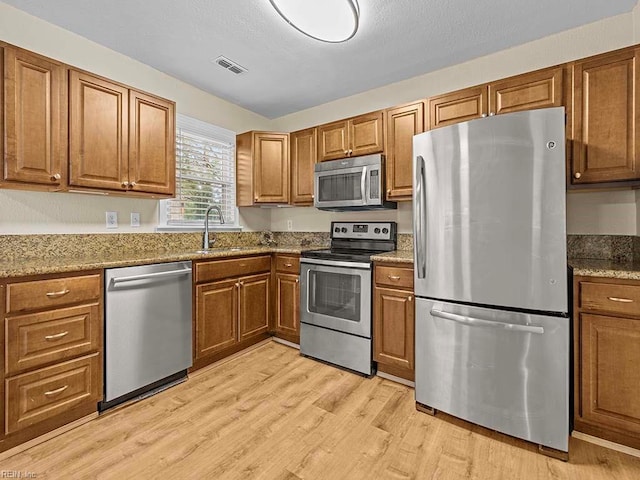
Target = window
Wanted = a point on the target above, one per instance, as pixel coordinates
(205, 175)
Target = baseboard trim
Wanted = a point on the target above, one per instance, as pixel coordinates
(47, 436)
(285, 342)
(393, 378)
(606, 443)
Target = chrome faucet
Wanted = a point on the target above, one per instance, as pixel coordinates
(205, 238)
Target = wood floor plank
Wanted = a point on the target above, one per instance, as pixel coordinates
(272, 414)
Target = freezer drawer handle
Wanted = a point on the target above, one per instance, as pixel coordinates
(486, 323)
(133, 278)
(621, 300)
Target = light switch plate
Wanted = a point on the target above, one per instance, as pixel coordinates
(112, 219)
(135, 219)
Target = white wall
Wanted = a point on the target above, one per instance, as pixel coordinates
(614, 212)
(28, 212)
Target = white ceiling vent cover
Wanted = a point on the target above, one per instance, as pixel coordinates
(230, 65)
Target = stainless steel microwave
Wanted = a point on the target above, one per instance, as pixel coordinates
(356, 183)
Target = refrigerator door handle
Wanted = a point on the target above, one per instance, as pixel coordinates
(477, 322)
(419, 209)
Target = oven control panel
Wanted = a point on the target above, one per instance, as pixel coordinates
(364, 230)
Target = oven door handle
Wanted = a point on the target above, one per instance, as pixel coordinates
(336, 263)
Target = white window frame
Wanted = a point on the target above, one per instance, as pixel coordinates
(210, 131)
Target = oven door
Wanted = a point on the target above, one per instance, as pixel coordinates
(344, 187)
(336, 295)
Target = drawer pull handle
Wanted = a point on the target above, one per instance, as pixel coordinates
(57, 336)
(621, 300)
(61, 293)
(394, 277)
(288, 265)
(243, 264)
(51, 393)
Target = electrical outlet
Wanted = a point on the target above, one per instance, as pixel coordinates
(135, 219)
(289, 225)
(112, 219)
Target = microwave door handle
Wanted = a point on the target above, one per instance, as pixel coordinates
(419, 209)
(363, 185)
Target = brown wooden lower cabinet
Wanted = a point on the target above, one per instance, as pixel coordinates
(607, 356)
(230, 313)
(51, 340)
(393, 320)
(286, 324)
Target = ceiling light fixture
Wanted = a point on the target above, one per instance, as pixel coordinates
(331, 21)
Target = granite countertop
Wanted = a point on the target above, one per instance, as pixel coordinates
(37, 266)
(397, 256)
(586, 267)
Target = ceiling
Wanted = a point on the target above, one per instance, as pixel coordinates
(288, 71)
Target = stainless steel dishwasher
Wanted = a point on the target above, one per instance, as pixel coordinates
(148, 329)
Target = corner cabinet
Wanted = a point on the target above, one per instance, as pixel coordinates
(287, 297)
(607, 355)
(400, 125)
(394, 319)
(34, 143)
(232, 306)
(119, 139)
(352, 137)
(304, 154)
(539, 89)
(52, 340)
(262, 161)
(605, 109)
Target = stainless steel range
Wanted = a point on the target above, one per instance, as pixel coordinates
(335, 294)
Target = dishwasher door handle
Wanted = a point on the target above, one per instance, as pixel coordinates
(465, 320)
(133, 278)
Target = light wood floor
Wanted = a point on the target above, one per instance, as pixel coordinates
(275, 415)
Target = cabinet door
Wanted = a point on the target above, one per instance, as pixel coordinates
(533, 90)
(605, 127)
(393, 327)
(254, 305)
(304, 152)
(610, 378)
(152, 156)
(98, 132)
(365, 134)
(457, 107)
(288, 304)
(333, 141)
(35, 114)
(401, 124)
(271, 167)
(216, 317)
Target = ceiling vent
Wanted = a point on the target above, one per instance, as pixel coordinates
(230, 65)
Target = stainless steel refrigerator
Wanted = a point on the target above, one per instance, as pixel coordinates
(492, 324)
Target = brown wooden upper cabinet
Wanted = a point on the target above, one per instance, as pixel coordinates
(35, 115)
(401, 124)
(262, 160)
(119, 139)
(539, 89)
(352, 137)
(304, 154)
(605, 107)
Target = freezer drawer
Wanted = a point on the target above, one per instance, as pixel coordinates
(503, 370)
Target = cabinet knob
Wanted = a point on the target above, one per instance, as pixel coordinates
(255, 199)
(297, 280)
(132, 184)
(238, 284)
(241, 283)
(125, 184)
(484, 115)
(491, 114)
(410, 298)
(346, 152)
(388, 191)
(350, 151)
(55, 177)
(577, 175)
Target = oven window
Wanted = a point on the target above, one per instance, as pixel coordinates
(338, 187)
(335, 295)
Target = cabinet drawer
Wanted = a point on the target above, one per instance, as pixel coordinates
(610, 297)
(236, 267)
(55, 292)
(42, 338)
(48, 392)
(287, 264)
(394, 276)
